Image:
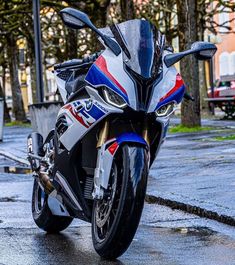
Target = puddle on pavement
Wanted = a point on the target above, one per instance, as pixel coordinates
(15, 170)
(194, 231)
(8, 199)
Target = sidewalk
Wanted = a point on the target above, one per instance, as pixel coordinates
(195, 173)
(192, 172)
(14, 143)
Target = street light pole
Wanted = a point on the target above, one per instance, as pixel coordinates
(211, 73)
(38, 50)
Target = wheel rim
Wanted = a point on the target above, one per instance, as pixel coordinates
(105, 209)
(39, 199)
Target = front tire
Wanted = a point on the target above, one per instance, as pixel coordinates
(42, 214)
(116, 217)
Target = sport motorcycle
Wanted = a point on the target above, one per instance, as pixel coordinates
(94, 164)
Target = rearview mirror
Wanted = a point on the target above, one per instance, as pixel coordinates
(203, 50)
(76, 19)
(72, 22)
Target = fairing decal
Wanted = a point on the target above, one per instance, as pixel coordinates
(178, 84)
(96, 78)
(83, 114)
(102, 65)
(108, 70)
(112, 148)
(176, 96)
(170, 88)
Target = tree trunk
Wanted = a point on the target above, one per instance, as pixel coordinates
(17, 101)
(127, 9)
(202, 11)
(203, 88)
(187, 28)
(7, 117)
(71, 44)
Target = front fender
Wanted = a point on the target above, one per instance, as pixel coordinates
(131, 138)
(106, 155)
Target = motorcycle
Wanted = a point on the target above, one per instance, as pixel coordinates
(94, 164)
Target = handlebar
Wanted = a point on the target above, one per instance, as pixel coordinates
(77, 62)
(69, 63)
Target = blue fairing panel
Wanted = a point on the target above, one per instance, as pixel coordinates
(131, 138)
(97, 78)
(176, 96)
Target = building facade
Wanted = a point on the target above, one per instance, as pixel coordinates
(225, 57)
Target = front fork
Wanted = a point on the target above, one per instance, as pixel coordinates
(106, 152)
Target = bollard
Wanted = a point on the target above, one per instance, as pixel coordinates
(43, 116)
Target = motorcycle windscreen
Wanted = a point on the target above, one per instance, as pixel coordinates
(142, 45)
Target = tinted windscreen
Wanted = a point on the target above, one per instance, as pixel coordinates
(142, 45)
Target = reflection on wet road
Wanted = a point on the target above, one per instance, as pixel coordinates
(165, 237)
(151, 245)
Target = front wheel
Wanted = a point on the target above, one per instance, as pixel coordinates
(115, 218)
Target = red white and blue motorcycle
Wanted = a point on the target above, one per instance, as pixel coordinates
(94, 164)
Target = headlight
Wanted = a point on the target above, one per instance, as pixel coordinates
(113, 98)
(165, 110)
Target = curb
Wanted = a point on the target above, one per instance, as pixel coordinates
(228, 220)
(151, 199)
(15, 158)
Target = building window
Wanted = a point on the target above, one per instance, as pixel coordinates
(224, 63)
(224, 20)
(232, 63)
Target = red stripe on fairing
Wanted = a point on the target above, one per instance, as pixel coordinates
(113, 147)
(179, 82)
(77, 117)
(101, 63)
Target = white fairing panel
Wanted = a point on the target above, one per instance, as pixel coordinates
(115, 66)
(166, 84)
(81, 115)
(108, 70)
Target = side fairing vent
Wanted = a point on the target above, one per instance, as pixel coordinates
(61, 125)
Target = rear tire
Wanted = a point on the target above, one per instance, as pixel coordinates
(42, 214)
(113, 229)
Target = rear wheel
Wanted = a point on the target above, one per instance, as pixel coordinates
(115, 218)
(42, 214)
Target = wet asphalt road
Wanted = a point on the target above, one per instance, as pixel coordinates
(164, 236)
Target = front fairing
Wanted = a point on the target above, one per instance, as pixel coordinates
(138, 74)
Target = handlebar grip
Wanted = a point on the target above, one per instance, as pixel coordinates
(188, 97)
(69, 63)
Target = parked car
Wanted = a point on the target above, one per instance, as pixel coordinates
(223, 89)
(224, 97)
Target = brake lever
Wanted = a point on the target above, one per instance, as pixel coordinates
(188, 97)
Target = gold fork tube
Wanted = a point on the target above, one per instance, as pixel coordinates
(145, 132)
(103, 135)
